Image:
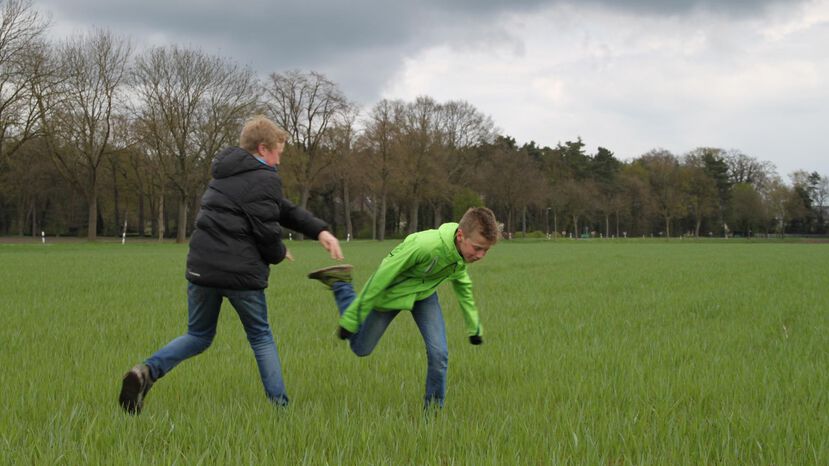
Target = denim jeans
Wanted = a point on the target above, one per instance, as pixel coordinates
(429, 319)
(203, 312)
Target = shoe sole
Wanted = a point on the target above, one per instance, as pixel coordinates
(317, 274)
(130, 397)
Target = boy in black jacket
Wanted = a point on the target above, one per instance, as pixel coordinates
(237, 236)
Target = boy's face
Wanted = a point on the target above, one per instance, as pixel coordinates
(472, 247)
(272, 156)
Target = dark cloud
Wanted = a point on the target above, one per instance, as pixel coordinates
(359, 44)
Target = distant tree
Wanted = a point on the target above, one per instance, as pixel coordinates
(574, 158)
(668, 185)
(782, 204)
(379, 141)
(703, 200)
(821, 200)
(21, 54)
(189, 105)
(637, 198)
(580, 200)
(343, 136)
(306, 105)
(713, 161)
(421, 145)
(745, 169)
(512, 181)
(78, 113)
(747, 208)
(604, 168)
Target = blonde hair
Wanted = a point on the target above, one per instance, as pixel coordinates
(482, 221)
(260, 130)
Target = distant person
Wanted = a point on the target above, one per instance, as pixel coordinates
(407, 280)
(238, 234)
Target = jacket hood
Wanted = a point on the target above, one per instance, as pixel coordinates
(234, 160)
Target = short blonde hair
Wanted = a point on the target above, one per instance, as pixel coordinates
(482, 221)
(260, 130)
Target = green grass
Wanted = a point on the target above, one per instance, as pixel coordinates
(596, 352)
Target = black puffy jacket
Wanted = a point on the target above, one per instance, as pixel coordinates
(224, 252)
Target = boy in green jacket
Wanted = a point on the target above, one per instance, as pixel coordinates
(407, 280)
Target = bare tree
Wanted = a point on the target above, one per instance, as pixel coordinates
(464, 126)
(420, 143)
(77, 111)
(306, 105)
(745, 169)
(21, 32)
(189, 105)
(343, 135)
(380, 141)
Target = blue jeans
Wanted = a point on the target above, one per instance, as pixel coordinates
(203, 312)
(429, 319)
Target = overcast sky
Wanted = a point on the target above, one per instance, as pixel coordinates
(628, 75)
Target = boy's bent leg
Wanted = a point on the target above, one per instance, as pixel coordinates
(203, 312)
(343, 295)
(366, 338)
(253, 312)
(429, 319)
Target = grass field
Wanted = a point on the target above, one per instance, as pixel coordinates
(598, 353)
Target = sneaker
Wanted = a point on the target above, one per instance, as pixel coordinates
(333, 274)
(137, 382)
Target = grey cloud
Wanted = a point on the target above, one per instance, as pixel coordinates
(358, 44)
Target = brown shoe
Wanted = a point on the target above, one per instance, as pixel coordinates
(333, 274)
(137, 382)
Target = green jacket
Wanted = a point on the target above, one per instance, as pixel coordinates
(411, 272)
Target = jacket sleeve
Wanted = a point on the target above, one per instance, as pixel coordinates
(401, 258)
(270, 246)
(300, 220)
(462, 285)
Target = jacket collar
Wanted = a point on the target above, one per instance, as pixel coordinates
(447, 233)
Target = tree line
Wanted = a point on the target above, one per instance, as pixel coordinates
(98, 139)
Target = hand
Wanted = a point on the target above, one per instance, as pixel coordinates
(476, 340)
(288, 255)
(330, 243)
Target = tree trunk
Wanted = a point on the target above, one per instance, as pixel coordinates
(555, 224)
(438, 216)
(524, 222)
(381, 220)
(576, 225)
(415, 211)
(667, 226)
(160, 221)
(34, 218)
(347, 211)
(115, 195)
(607, 225)
(141, 215)
(92, 219)
(304, 197)
(181, 234)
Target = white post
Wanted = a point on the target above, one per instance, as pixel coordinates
(43, 237)
(290, 236)
(124, 233)
(348, 237)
